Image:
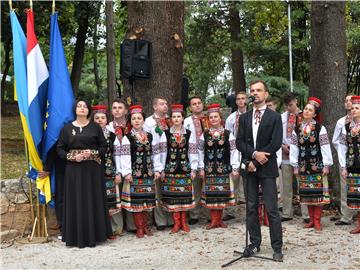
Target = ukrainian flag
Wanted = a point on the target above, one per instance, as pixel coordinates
(21, 85)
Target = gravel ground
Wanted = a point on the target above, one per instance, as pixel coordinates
(334, 248)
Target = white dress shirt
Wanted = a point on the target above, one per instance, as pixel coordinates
(255, 126)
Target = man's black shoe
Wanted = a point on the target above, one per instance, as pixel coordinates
(161, 227)
(278, 256)
(341, 223)
(193, 221)
(228, 217)
(335, 218)
(250, 250)
(306, 220)
(285, 219)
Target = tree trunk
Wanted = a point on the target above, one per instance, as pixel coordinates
(110, 51)
(83, 23)
(328, 66)
(160, 21)
(95, 51)
(237, 58)
(7, 64)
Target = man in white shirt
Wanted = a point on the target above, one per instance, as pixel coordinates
(346, 213)
(232, 125)
(258, 139)
(197, 123)
(156, 124)
(290, 118)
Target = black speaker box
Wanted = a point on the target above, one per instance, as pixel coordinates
(135, 59)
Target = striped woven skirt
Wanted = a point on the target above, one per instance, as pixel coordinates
(177, 193)
(112, 193)
(313, 189)
(139, 195)
(217, 192)
(353, 191)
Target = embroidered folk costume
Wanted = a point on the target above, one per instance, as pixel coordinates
(349, 159)
(86, 220)
(197, 124)
(112, 189)
(309, 152)
(156, 125)
(232, 125)
(139, 158)
(120, 127)
(218, 157)
(181, 159)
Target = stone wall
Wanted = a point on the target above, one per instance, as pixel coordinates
(13, 190)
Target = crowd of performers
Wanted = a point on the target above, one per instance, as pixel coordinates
(171, 169)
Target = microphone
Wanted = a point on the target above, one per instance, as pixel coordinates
(250, 99)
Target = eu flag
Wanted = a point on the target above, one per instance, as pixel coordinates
(60, 94)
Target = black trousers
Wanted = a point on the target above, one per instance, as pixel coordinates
(269, 190)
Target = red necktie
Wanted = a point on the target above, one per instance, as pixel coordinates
(257, 117)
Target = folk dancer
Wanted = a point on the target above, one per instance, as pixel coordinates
(310, 155)
(349, 159)
(140, 166)
(218, 158)
(180, 170)
(197, 123)
(156, 124)
(345, 212)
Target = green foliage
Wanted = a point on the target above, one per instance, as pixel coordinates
(206, 45)
(353, 46)
(263, 40)
(216, 99)
(279, 87)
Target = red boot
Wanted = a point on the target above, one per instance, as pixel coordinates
(139, 224)
(311, 216)
(177, 222)
(357, 229)
(147, 230)
(260, 214)
(317, 218)
(214, 221)
(220, 223)
(266, 220)
(185, 227)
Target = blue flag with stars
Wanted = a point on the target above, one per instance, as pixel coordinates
(60, 98)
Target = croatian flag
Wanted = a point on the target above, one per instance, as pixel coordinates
(38, 75)
(37, 82)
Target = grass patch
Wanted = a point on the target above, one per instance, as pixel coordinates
(13, 160)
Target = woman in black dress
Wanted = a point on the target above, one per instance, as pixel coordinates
(82, 145)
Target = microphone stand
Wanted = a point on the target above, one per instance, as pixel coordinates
(246, 253)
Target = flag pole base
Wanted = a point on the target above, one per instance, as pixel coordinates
(34, 240)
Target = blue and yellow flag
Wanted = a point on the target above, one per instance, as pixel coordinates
(20, 74)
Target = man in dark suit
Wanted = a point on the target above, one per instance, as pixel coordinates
(259, 137)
